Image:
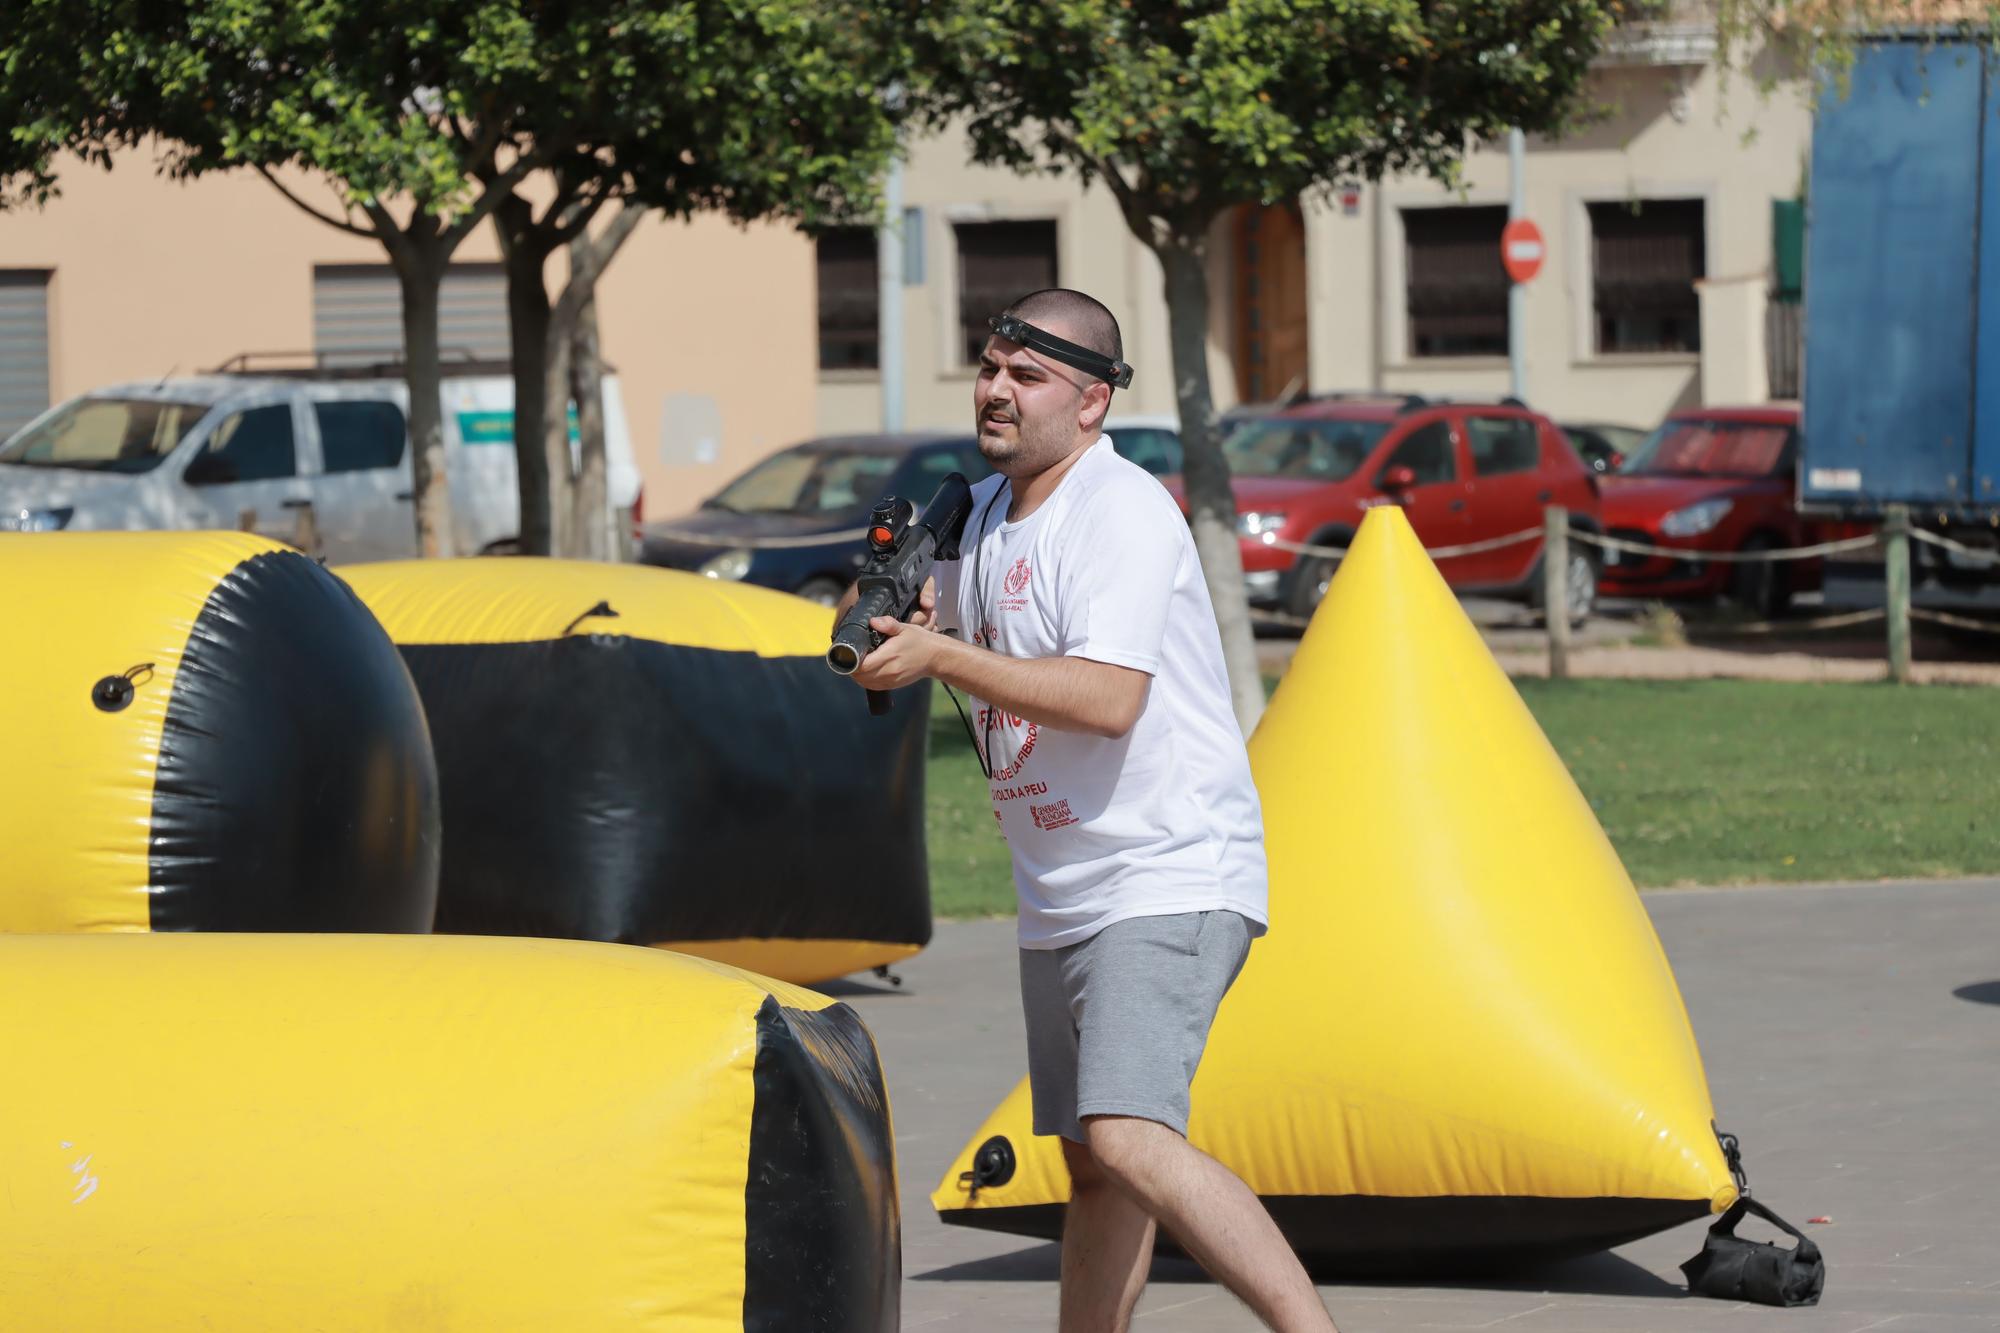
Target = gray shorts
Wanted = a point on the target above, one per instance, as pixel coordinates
(1116, 1024)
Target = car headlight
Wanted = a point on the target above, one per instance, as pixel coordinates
(729, 565)
(1256, 523)
(1695, 519)
(36, 520)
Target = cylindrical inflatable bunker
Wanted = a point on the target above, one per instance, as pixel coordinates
(1460, 1048)
(651, 757)
(398, 1132)
(205, 731)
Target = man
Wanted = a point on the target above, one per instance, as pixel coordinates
(1119, 778)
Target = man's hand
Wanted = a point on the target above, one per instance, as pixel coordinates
(908, 653)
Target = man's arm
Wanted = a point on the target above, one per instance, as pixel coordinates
(1066, 693)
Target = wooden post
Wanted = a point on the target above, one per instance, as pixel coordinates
(1896, 532)
(1555, 588)
(305, 530)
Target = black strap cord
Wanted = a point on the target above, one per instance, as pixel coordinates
(602, 609)
(982, 744)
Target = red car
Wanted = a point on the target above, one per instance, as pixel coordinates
(1464, 472)
(1712, 479)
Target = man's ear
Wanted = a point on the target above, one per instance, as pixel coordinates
(1096, 402)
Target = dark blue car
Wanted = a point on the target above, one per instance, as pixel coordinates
(793, 522)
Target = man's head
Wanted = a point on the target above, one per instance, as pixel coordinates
(1031, 410)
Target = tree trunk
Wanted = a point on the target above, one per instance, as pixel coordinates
(420, 271)
(1206, 474)
(528, 339)
(594, 537)
(559, 456)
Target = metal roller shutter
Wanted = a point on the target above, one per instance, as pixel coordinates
(24, 347)
(358, 312)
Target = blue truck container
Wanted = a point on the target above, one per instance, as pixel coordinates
(1902, 303)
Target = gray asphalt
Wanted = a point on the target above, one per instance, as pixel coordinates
(1852, 1040)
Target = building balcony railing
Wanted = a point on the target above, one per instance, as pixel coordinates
(1661, 32)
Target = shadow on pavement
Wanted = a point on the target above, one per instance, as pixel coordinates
(1980, 992)
(1591, 1275)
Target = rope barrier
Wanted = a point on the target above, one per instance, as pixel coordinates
(1957, 547)
(1726, 557)
(1956, 622)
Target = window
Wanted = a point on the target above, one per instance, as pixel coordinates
(250, 446)
(24, 347)
(999, 263)
(848, 300)
(1427, 452)
(359, 436)
(1503, 444)
(1321, 449)
(358, 313)
(1158, 451)
(1645, 258)
(1457, 291)
(106, 434)
(1694, 447)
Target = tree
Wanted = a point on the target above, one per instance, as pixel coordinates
(755, 110)
(1187, 110)
(388, 101)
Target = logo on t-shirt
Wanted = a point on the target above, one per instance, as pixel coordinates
(1053, 815)
(1014, 588)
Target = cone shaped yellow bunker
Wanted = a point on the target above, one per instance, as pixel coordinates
(1461, 1043)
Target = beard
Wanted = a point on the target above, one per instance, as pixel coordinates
(1026, 445)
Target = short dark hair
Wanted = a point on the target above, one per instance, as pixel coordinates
(1088, 320)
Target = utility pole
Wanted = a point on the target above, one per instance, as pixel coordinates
(1517, 292)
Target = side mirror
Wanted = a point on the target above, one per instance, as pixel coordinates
(1398, 479)
(209, 469)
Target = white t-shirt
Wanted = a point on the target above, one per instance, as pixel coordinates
(1164, 819)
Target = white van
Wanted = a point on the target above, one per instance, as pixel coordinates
(237, 450)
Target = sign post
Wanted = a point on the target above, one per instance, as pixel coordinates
(1523, 235)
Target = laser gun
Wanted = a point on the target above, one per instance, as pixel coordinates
(902, 547)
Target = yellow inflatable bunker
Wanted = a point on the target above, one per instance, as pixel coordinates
(204, 731)
(652, 757)
(403, 1132)
(1460, 1046)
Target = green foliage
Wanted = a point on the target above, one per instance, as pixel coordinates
(1187, 109)
(1697, 782)
(708, 104)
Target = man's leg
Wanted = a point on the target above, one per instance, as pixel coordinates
(1107, 1248)
(1212, 1214)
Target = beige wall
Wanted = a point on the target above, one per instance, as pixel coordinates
(1666, 135)
(153, 277)
(1667, 132)
(1096, 253)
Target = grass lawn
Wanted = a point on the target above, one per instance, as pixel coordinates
(1696, 782)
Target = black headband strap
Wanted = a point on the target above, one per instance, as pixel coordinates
(1017, 330)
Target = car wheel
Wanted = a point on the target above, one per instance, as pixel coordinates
(510, 546)
(1760, 587)
(1581, 581)
(827, 592)
(1309, 584)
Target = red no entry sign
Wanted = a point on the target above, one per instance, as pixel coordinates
(1521, 249)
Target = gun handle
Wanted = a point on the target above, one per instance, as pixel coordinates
(878, 703)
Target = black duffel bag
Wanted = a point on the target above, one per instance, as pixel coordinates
(1731, 1268)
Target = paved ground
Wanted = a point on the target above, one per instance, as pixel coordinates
(1852, 1039)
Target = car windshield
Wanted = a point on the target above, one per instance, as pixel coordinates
(808, 481)
(1313, 449)
(1694, 447)
(105, 435)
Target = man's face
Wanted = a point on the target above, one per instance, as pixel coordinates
(1029, 409)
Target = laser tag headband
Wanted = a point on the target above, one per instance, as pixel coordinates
(1017, 330)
